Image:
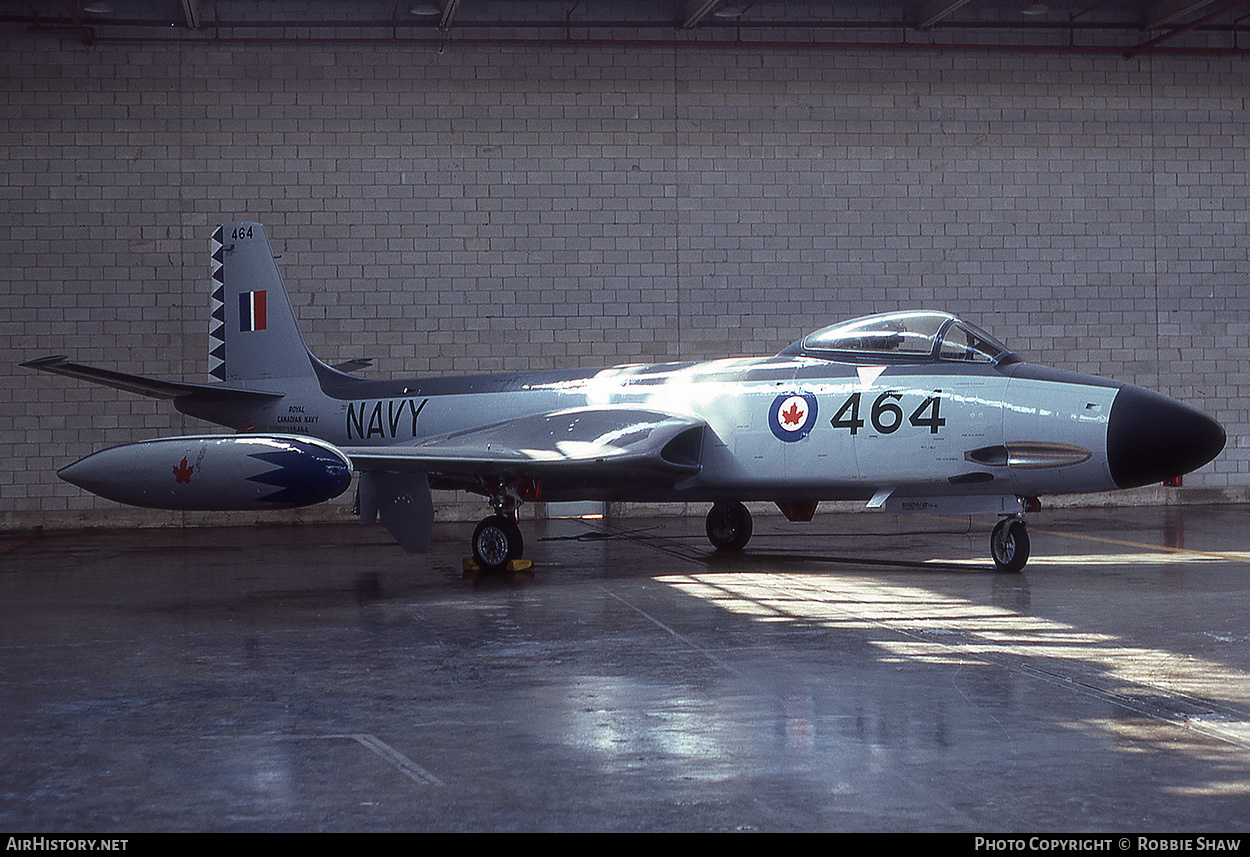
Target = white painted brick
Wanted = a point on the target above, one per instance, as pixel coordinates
(609, 207)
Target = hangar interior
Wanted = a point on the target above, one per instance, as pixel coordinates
(578, 184)
(474, 185)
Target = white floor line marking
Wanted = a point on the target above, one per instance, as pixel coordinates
(406, 766)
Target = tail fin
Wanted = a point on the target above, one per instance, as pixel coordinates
(253, 335)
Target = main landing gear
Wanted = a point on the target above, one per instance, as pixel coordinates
(729, 526)
(497, 541)
(1009, 544)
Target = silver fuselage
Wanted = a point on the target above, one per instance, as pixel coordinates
(908, 428)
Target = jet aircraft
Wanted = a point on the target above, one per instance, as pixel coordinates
(905, 411)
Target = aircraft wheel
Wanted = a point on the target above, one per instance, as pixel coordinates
(729, 526)
(1009, 545)
(497, 540)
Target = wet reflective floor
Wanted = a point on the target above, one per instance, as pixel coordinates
(856, 673)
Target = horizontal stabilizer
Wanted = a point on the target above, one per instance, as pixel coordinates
(151, 387)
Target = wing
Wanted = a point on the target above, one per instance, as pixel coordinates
(587, 452)
(152, 387)
(581, 447)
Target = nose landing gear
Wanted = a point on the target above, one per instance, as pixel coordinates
(1009, 544)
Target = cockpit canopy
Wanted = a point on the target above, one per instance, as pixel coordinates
(915, 336)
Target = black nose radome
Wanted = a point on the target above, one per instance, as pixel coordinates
(1151, 438)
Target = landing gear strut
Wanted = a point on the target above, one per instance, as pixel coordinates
(1009, 544)
(729, 526)
(497, 539)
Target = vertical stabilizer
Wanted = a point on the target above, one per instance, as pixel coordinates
(252, 333)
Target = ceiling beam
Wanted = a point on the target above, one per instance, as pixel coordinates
(694, 11)
(88, 33)
(935, 10)
(1169, 10)
(1180, 31)
(449, 12)
(191, 11)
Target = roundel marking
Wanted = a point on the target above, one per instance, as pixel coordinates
(792, 416)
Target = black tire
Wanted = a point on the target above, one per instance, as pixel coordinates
(729, 526)
(497, 540)
(1009, 545)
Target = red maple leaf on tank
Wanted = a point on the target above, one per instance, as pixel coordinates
(793, 416)
(183, 471)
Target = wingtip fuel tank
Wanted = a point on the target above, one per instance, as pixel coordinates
(231, 473)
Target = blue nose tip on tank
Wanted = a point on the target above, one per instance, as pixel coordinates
(1151, 438)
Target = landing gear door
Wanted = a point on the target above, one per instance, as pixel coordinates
(403, 502)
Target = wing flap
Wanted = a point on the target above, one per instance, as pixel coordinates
(581, 443)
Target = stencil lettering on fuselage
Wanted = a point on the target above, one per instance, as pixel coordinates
(297, 421)
(383, 418)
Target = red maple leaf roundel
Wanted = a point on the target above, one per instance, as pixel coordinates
(792, 417)
(183, 471)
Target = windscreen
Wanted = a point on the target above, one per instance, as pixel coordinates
(965, 342)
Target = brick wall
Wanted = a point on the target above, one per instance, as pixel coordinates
(521, 208)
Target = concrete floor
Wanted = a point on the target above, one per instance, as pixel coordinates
(833, 677)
